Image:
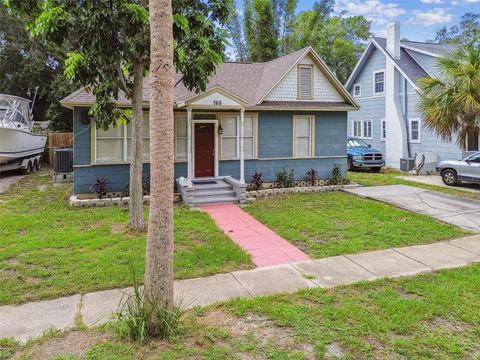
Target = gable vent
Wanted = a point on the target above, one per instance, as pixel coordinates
(305, 81)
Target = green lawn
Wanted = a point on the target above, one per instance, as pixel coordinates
(390, 177)
(335, 223)
(430, 316)
(50, 249)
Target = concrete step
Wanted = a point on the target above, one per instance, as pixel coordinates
(213, 192)
(204, 188)
(214, 199)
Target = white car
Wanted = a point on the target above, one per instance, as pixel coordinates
(461, 171)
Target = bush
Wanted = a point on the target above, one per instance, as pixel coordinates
(256, 181)
(284, 179)
(312, 176)
(99, 187)
(337, 177)
(133, 314)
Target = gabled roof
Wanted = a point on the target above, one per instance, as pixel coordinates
(406, 65)
(250, 82)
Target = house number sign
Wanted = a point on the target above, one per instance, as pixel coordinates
(217, 102)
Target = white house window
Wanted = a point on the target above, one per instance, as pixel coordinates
(113, 145)
(384, 130)
(303, 136)
(305, 82)
(379, 82)
(473, 141)
(230, 139)
(414, 130)
(357, 90)
(181, 137)
(362, 129)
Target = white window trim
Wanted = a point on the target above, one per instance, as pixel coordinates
(384, 82)
(419, 140)
(177, 116)
(255, 136)
(312, 136)
(383, 126)
(362, 128)
(359, 90)
(126, 149)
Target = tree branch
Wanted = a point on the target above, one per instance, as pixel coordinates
(123, 84)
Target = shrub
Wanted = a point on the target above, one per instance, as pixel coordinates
(133, 313)
(99, 187)
(256, 181)
(312, 176)
(284, 179)
(337, 177)
(145, 187)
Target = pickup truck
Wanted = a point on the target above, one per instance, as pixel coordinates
(362, 155)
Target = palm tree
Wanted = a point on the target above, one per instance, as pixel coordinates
(450, 103)
(158, 292)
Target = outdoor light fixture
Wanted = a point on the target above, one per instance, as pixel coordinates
(220, 130)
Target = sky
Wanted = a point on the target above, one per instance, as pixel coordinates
(418, 18)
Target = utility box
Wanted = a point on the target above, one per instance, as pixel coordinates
(407, 164)
(63, 164)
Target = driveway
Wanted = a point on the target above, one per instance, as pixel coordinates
(464, 213)
(437, 181)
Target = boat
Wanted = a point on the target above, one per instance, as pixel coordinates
(17, 137)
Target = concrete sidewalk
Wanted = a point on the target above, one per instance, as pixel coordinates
(32, 319)
(436, 180)
(454, 210)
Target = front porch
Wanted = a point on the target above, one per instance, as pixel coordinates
(215, 125)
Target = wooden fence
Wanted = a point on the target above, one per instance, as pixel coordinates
(58, 140)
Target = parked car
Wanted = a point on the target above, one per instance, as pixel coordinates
(454, 172)
(362, 155)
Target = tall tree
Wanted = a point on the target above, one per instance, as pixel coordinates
(236, 35)
(259, 27)
(25, 63)
(287, 26)
(159, 260)
(450, 104)
(467, 32)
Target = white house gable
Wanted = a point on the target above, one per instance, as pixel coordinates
(287, 88)
(215, 99)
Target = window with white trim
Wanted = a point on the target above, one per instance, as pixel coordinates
(357, 90)
(113, 145)
(230, 138)
(378, 82)
(181, 137)
(384, 130)
(305, 81)
(303, 136)
(362, 129)
(414, 128)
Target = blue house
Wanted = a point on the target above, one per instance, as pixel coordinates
(288, 113)
(384, 83)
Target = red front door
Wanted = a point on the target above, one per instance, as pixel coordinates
(204, 150)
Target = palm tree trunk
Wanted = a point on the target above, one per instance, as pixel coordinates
(136, 221)
(159, 254)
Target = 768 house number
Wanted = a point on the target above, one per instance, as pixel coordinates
(217, 102)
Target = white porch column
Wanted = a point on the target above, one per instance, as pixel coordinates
(242, 157)
(189, 145)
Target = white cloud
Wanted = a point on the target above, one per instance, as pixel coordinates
(430, 17)
(454, 2)
(375, 10)
(472, 1)
(432, 1)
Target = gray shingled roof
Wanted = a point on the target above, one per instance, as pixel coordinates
(438, 49)
(249, 81)
(406, 63)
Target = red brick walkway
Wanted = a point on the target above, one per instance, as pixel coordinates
(265, 246)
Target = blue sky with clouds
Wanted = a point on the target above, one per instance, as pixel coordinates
(419, 18)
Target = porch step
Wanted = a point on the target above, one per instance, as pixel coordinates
(199, 189)
(214, 199)
(214, 192)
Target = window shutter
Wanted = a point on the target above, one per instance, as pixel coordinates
(305, 82)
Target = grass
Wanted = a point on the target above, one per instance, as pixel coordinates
(335, 223)
(390, 177)
(50, 249)
(429, 316)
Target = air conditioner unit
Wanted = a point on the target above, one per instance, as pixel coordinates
(407, 164)
(63, 160)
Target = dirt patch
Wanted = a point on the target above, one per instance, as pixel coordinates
(42, 188)
(448, 325)
(409, 295)
(118, 229)
(265, 331)
(12, 260)
(334, 351)
(74, 343)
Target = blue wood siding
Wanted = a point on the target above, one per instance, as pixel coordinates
(374, 62)
(275, 146)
